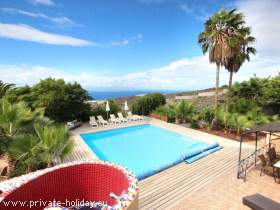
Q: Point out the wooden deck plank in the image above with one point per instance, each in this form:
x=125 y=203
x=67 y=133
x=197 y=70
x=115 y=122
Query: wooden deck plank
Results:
x=183 y=184
x=179 y=177
x=187 y=175
x=168 y=187
x=202 y=162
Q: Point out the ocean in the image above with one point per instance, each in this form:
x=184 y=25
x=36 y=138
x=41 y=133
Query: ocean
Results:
x=102 y=95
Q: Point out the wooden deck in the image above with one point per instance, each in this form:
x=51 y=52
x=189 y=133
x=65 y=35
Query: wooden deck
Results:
x=165 y=189
x=81 y=152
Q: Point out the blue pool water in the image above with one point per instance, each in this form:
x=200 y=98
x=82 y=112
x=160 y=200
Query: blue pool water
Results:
x=145 y=149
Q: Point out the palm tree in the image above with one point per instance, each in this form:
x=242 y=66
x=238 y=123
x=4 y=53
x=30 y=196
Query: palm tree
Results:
x=54 y=141
x=4 y=87
x=26 y=154
x=16 y=118
x=185 y=111
x=241 y=40
x=221 y=38
x=207 y=115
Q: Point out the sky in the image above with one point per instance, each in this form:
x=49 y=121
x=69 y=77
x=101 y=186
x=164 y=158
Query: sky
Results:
x=126 y=44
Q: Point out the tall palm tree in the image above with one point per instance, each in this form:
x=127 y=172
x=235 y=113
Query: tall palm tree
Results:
x=241 y=55
x=220 y=39
x=4 y=87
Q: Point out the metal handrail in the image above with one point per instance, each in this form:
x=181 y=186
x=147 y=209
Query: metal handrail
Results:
x=247 y=162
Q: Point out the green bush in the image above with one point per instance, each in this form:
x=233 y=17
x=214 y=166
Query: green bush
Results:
x=29 y=139
x=166 y=111
x=223 y=117
x=148 y=103
x=114 y=107
x=185 y=111
x=101 y=110
x=272 y=90
x=61 y=101
x=240 y=121
x=253 y=89
x=207 y=115
x=242 y=105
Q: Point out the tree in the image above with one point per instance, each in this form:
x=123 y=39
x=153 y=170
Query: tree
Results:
x=146 y=104
x=29 y=139
x=223 y=117
x=17 y=118
x=215 y=40
x=54 y=141
x=61 y=101
x=185 y=111
x=272 y=90
x=207 y=115
x=26 y=154
x=4 y=87
x=114 y=107
x=241 y=46
x=239 y=122
x=253 y=90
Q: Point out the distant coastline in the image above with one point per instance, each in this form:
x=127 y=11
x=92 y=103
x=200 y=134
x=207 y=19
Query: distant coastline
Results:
x=103 y=95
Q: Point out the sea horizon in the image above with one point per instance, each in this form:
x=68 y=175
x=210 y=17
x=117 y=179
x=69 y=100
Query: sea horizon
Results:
x=103 y=95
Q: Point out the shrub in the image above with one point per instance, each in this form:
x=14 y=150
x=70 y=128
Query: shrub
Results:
x=166 y=111
x=185 y=111
x=101 y=110
x=272 y=90
x=251 y=90
x=207 y=115
x=239 y=122
x=114 y=106
x=242 y=105
x=148 y=103
x=29 y=139
x=223 y=117
x=61 y=101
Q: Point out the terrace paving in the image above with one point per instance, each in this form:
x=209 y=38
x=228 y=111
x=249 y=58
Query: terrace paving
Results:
x=226 y=192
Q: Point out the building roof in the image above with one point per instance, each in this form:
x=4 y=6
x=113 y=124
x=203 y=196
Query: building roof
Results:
x=269 y=127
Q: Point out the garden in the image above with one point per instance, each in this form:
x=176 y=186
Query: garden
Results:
x=251 y=103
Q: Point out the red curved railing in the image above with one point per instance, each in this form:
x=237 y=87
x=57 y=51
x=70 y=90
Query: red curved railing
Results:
x=74 y=183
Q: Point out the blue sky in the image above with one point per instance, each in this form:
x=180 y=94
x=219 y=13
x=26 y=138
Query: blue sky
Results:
x=125 y=44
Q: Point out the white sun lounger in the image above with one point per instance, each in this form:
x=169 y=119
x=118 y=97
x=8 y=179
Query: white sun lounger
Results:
x=113 y=119
x=101 y=121
x=121 y=118
x=92 y=121
x=134 y=116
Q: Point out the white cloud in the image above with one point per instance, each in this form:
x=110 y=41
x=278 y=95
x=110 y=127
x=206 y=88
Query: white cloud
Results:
x=63 y=21
x=42 y=2
x=186 y=8
x=197 y=12
x=119 y=42
x=184 y=74
x=28 y=33
x=263 y=17
x=126 y=41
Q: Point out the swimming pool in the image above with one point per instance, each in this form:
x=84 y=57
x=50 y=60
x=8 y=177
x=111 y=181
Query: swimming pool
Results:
x=146 y=149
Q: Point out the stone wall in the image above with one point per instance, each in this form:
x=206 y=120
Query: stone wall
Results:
x=201 y=98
